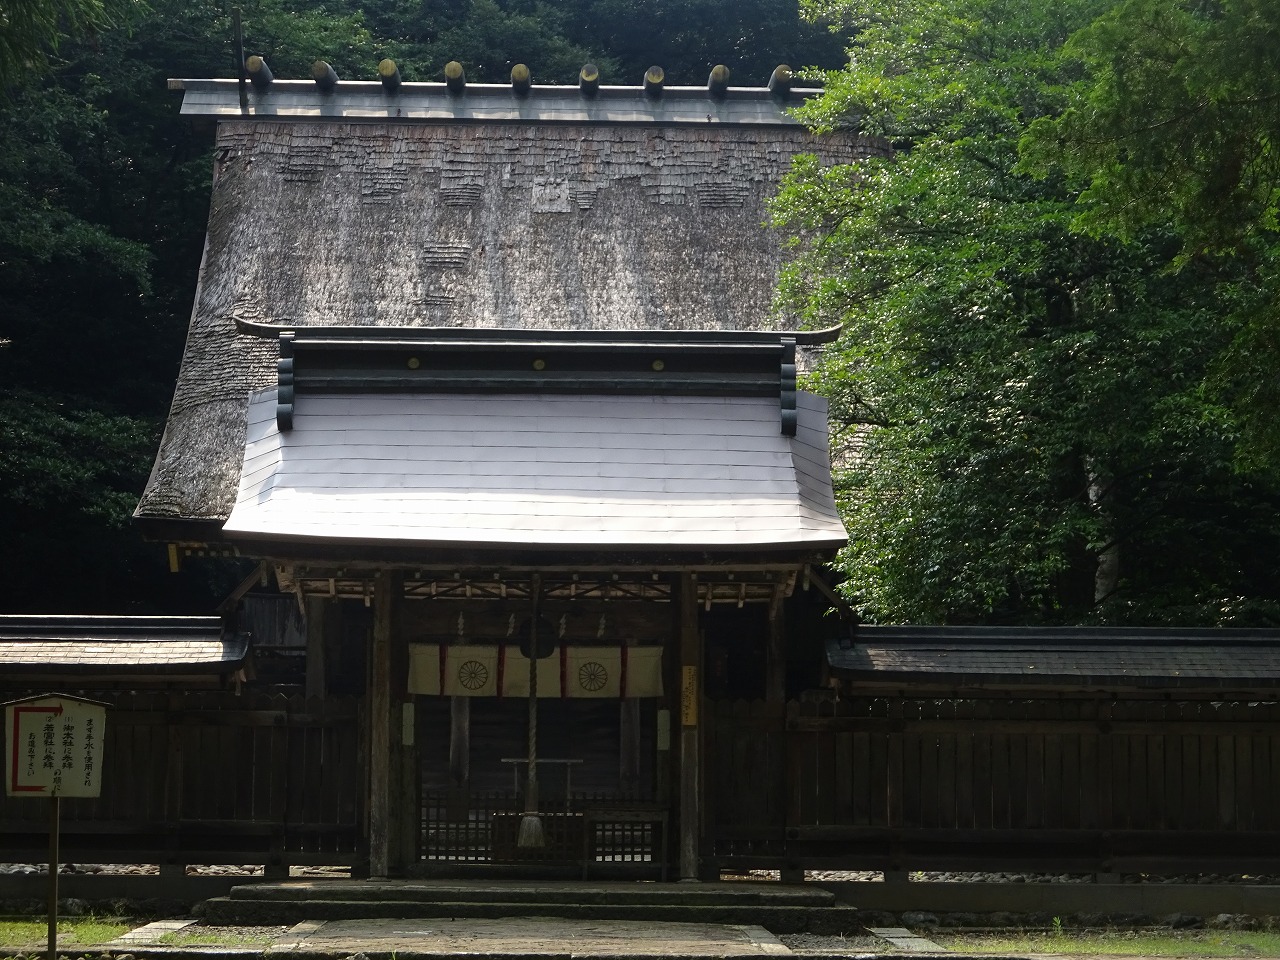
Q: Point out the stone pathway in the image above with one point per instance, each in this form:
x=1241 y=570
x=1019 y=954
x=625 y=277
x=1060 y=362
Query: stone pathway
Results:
x=527 y=936
x=150 y=933
x=905 y=940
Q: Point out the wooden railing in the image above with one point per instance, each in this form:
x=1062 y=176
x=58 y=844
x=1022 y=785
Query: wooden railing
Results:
x=1066 y=784
x=211 y=778
x=594 y=832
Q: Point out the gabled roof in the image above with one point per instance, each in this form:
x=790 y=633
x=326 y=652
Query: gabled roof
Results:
x=454 y=221
x=650 y=442
x=527 y=471
x=1131 y=658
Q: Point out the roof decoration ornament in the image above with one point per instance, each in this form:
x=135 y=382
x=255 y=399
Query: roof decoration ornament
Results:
x=390 y=97
x=718 y=81
x=780 y=81
x=389 y=73
x=653 y=79
x=260 y=74
x=455 y=78
x=324 y=75
x=521 y=81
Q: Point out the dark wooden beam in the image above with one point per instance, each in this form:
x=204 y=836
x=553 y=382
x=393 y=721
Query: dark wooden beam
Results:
x=318 y=616
x=459 y=756
x=690 y=704
x=386 y=597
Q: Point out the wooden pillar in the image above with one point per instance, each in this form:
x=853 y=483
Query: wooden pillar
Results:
x=406 y=777
x=459 y=757
x=775 y=692
x=690 y=697
x=775 y=683
x=319 y=617
x=629 y=746
x=382 y=723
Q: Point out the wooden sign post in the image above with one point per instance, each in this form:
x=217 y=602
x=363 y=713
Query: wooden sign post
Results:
x=54 y=750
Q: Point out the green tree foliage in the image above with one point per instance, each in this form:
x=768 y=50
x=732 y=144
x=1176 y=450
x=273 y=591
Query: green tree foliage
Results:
x=32 y=29
x=1026 y=432
x=1175 y=125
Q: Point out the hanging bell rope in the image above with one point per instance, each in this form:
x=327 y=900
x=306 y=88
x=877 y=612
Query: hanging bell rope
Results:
x=531 y=833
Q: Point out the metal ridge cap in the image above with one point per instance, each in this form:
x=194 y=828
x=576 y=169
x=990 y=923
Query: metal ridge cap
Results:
x=528 y=336
x=422 y=88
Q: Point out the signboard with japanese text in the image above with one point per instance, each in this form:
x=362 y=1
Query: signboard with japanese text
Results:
x=54 y=747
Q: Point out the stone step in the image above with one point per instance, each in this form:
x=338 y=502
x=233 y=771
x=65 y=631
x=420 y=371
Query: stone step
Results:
x=228 y=911
x=549 y=892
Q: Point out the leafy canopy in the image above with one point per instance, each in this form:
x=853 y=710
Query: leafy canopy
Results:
x=1175 y=125
x=1025 y=428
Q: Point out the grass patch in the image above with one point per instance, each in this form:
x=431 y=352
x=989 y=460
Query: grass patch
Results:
x=1121 y=943
x=73 y=931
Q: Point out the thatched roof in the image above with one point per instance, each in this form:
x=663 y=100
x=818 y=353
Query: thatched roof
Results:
x=634 y=225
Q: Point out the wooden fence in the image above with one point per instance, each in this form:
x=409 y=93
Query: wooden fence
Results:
x=1087 y=785
x=211 y=778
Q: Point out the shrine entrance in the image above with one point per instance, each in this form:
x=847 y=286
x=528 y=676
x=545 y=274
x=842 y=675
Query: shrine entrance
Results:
x=601 y=725
x=600 y=799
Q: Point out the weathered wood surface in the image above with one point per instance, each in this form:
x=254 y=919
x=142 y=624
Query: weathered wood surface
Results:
x=894 y=783
x=211 y=775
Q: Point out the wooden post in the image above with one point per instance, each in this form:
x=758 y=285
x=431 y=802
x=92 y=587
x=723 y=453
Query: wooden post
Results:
x=406 y=785
x=775 y=692
x=775 y=683
x=690 y=695
x=318 y=617
x=629 y=747
x=54 y=825
x=459 y=757
x=381 y=820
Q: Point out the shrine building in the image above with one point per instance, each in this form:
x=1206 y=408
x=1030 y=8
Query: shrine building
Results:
x=489 y=379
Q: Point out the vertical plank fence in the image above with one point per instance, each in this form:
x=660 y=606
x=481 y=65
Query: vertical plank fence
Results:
x=209 y=777
x=1089 y=785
